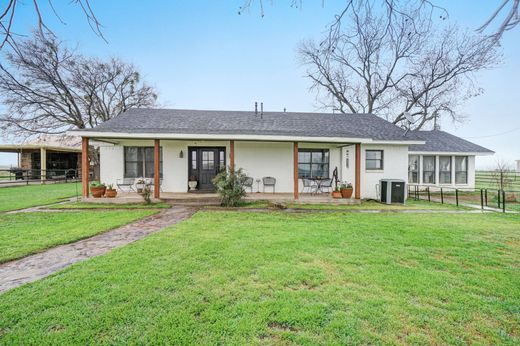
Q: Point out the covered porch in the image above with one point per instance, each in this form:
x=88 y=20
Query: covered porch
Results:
x=177 y=161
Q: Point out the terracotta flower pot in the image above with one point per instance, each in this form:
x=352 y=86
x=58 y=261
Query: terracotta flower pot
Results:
x=346 y=193
x=111 y=193
x=336 y=194
x=97 y=192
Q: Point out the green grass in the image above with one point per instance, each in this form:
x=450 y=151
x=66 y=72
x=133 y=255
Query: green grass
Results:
x=278 y=278
x=23 y=234
x=86 y=205
x=365 y=205
x=20 y=197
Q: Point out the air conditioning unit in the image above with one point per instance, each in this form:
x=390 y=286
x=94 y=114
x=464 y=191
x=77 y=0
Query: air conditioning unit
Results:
x=392 y=190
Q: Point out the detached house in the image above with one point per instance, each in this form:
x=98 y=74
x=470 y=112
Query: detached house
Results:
x=361 y=148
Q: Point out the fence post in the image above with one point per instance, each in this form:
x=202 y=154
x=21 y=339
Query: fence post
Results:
x=429 y=197
x=503 y=201
x=486 y=198
x=498 y=199
x=457 y=197
x=482 y=199
x=442 y=197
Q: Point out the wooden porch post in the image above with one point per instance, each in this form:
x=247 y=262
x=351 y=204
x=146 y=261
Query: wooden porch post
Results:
x=295 y=170
x=84 y=166
x=358 y=172
x=43 y=164
x=157 y=169
x=232 y=155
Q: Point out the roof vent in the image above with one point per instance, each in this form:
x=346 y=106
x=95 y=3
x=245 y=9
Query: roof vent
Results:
x=256 y=108
x=261 y=110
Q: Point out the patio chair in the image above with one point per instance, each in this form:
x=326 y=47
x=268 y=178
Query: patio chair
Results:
x=127 y=183
x=152 y=184
x=248 y=183
x=269 y=182
x=309 y=184
x=326 y=185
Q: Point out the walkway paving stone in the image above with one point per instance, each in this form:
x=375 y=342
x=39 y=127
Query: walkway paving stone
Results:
x=38 y=266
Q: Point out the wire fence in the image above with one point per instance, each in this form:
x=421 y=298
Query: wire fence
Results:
x=18 y=176
x=486 y=199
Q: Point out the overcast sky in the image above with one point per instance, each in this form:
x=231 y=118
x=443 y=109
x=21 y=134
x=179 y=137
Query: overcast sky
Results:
x=203 y=55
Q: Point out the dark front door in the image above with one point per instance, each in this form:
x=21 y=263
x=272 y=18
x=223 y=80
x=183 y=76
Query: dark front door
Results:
x=205 y=163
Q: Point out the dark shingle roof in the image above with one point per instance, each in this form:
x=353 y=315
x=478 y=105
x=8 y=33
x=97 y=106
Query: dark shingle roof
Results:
x=440 y=141
x=180 y=121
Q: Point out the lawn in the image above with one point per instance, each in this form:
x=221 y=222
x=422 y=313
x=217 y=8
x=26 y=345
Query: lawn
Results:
x=89 y=205
x=365 y=205
x=23 y=234
x=20 y=197
x=282 y=278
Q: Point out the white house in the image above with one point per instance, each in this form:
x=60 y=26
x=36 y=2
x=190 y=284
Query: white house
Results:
x=196 y=144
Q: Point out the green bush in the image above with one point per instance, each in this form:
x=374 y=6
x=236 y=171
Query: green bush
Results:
x=230 y=187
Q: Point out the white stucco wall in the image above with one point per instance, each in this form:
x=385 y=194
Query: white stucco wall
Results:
x=395 y=166
x=260 y=159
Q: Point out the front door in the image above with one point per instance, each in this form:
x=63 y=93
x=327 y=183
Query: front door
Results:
x=205 y=164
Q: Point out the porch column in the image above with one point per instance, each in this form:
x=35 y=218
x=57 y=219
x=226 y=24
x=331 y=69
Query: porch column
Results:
x=357 y=187
x=232 y=155
x=84 y=166
x=295 y=170
x=43 y=164
x=157 y=170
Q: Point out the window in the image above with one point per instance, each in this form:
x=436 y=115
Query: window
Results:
x=429 y=169
x=374 y=159
x=413 y=169
x=461 y=170
x=139 y=162
x=208 y=160
x=445 y=169
x=313 y=163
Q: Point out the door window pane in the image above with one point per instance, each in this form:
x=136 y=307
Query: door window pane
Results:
x=208 y=160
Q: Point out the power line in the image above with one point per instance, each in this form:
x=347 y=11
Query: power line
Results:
x=497 y=134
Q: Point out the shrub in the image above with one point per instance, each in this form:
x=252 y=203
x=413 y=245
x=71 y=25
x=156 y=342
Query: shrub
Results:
x=230 y=187
x=147 y=193
x=96 y=184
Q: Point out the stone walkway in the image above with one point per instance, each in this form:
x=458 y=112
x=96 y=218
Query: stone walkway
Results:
x=38 y=266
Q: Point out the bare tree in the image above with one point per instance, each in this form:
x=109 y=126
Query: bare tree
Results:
x=392 y=64
x=8 y=9
x=508 y=7
x=49 y=88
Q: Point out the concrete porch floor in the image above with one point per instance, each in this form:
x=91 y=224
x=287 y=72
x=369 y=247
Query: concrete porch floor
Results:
x=212 y=198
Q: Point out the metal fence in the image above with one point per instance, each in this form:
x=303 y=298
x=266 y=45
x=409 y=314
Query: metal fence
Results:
x=486 y=199
x=18 y=176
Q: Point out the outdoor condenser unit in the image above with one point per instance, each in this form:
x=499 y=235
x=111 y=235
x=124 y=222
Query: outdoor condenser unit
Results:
x=392 y=190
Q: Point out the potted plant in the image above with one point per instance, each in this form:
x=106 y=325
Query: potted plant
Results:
x=336 y=193
x=346 y=190
x=140 y=184
x=111 y=192
x=97 y=189
x=192 y=183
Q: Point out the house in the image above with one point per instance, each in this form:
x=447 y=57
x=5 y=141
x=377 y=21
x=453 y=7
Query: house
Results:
x=46 y=157
x=288 y=146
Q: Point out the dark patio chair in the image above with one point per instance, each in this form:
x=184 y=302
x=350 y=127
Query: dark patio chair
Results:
x=248 y=183
x=326 y=185
x=309 y=184
x=127 y=183
x=269 y=182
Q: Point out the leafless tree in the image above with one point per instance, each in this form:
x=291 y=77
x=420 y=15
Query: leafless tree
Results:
x=392 y=64
x=49 y=88
x=8 y=9
x=503 y=175
x=510 y=9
